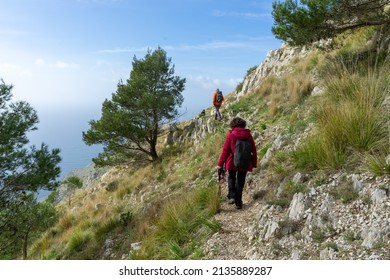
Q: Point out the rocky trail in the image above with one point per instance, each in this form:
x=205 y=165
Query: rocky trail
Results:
x=231 y=242
x=314 y=226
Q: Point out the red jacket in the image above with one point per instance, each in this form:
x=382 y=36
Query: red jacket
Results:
x=230 y=146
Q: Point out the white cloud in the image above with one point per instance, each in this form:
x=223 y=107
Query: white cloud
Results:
x=215 y=45
x=248 y=15
x=233 y=82
x=124 y=50
x=204 y=82
x=40 y=62
x=102 y=63
x=209 y=83
x=63 y=65
x=8 y=68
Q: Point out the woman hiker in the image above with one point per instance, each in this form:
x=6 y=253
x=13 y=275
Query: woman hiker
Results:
x=237 y=175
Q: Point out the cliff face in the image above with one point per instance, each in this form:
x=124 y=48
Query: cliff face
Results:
x=276 y=63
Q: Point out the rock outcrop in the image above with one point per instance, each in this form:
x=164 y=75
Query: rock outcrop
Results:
x=276 y=63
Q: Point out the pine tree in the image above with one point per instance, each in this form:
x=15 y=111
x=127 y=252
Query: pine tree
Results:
x=23 y=170
x=28 y=219
x=132 y=120
x=307 y=21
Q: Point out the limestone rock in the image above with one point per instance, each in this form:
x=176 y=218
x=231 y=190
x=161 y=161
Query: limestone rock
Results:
x=297 y=207
x=328 y=254
x=379 y=196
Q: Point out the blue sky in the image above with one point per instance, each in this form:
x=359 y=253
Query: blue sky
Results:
x=65 y=57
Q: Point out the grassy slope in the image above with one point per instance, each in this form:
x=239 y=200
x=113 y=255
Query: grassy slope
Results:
x=169 y=206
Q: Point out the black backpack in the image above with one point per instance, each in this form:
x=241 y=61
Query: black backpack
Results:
x=243 y=154
x=219 y=96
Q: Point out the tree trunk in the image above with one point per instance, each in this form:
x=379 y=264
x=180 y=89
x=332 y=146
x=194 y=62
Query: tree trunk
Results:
x=154 y=136
x=25 y=242
x=153 y=153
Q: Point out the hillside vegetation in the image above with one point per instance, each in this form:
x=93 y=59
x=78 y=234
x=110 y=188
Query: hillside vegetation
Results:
x=320 y=119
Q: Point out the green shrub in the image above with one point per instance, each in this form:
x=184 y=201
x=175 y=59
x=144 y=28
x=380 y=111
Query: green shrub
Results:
x=260 y=194
x=287 y=227
x=345 y=192
x=183 y=223
x=320 y=181
x=351 y=236
x=315 y=154
x=65 y=222
x=107 y=226
x=112 y=186
x=379 y=245
x=279 y=163
x=242 y=106
x=162 y=175
x=78 y=241
x=353 y=41
x=350 y=118
x=332 y=245
x=317 y=234
x=126 y=217
x=377 y=164
x=264 y=150
x=288 y=190
x=123 y=191
x=239 y=87
x=176 y=185
x=291 y=188
x=174 y=150
x=283 y=202
x=250 y=71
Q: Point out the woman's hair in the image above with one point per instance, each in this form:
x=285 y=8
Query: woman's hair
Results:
x=237 y=122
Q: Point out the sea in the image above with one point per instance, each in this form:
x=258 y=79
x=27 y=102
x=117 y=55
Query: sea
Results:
x=63 y=130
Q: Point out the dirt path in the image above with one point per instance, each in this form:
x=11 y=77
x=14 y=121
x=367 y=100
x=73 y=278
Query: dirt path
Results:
x=232 y=241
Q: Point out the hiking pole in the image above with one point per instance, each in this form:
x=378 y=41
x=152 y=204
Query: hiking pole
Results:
x=221 y=178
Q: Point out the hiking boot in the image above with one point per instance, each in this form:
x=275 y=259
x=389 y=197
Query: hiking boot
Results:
x=231 y=201
x=238 y=206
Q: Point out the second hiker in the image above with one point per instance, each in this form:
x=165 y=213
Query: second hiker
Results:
x=217 y=102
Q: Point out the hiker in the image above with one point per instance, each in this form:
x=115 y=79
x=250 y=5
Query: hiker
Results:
x=232 y=158
x=217 y=102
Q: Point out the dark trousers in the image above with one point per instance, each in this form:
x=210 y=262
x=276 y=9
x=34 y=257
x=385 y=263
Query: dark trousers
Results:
x=217 y=113
x=236 y=182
